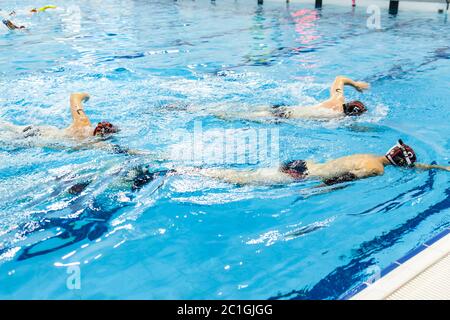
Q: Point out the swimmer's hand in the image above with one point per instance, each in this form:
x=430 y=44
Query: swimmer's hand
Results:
x=361 y=86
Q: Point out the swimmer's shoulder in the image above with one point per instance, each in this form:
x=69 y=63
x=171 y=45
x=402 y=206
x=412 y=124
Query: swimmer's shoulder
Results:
x=76 y=131
x=362 y=159
x=318 y=111
x=336 y=105
x=369 y=165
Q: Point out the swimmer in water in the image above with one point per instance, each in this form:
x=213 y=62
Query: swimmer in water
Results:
x=12 y=26
x=80 y=130
x=42 y=9
x=334 y=107
x=345 y=169
x=349 y=168
x=32 y=10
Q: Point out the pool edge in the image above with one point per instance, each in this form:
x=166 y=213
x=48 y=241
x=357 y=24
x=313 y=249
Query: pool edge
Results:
x=414 y=263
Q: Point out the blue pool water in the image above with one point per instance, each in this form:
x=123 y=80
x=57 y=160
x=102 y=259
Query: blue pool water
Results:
x=196 y=238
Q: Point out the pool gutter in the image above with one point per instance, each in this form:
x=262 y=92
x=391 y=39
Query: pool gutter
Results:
x=422 y=274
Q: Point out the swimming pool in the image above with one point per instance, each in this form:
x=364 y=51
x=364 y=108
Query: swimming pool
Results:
x=195 y=238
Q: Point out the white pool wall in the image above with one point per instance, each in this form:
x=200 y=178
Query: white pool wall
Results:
x=423 y=277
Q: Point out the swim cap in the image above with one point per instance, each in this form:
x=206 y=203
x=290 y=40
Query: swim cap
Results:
x=401 y=155
x=104 y=128
x=354 y=108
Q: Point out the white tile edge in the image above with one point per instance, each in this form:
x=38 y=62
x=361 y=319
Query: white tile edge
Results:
x=404 y=273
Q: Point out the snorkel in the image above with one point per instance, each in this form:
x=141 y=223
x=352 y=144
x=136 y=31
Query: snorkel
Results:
x=401 y=155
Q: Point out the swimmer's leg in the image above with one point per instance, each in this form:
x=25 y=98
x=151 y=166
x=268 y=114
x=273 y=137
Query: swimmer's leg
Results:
x=12 y=127
x=258 y=113
x=135 y=179
x=265 y=176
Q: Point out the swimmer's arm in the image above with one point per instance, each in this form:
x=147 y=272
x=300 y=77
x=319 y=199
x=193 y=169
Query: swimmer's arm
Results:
x=424 y=166
x=155 y=156
x=346 y=177
x=337 y=88
x=79 y=117
x=355 y=175
x=258 y=113
x=227 y=175
x=264 y=176
x=114 y=148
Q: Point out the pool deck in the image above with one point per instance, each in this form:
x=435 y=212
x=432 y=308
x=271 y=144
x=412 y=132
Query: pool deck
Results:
x=405 y=5
x=423 y=274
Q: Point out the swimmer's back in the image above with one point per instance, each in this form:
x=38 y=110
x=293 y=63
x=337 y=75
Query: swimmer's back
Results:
x=361 y=165
x=313 y=112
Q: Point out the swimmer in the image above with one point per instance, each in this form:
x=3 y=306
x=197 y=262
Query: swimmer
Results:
x=11 y=26
x=7 y=21
x=334 y=107
x=80 y=130
x=31 y=11
x=349 y=168
x=42 y=9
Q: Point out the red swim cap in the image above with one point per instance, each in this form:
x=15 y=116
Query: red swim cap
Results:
x=354 y=108
x=104 y=128
x=401 y=155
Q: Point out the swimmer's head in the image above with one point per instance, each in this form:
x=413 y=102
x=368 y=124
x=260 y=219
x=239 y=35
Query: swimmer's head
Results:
x=401 y=155
x=354 y=108
x=105 y=128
